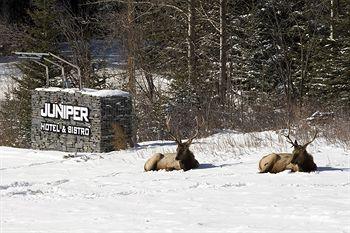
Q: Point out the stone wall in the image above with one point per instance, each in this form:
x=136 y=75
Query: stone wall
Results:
x=78 y=121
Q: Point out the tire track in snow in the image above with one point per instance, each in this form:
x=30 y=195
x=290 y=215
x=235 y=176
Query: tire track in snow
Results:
x=23 y=188
x=15 y=184
x=32 y=165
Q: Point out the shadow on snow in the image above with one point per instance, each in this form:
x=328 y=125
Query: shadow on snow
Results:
x=325 y=169
x=209 y=165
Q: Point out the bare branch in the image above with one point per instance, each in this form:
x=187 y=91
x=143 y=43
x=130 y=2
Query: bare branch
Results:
x=137 y=2
x=314 y=137
x=198 y=126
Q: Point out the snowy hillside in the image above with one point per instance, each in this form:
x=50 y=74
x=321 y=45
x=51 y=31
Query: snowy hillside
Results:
x=43 y=192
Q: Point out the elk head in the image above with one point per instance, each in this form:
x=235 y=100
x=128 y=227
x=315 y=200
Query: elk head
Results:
x=182 y=150
x=300 y=156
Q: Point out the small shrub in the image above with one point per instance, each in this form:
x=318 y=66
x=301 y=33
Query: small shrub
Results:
x=120 y=139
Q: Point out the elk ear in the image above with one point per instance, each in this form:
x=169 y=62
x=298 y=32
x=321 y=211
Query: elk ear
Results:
x=295 y=143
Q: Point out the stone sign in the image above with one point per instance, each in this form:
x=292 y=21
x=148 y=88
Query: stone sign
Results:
x=79 y=120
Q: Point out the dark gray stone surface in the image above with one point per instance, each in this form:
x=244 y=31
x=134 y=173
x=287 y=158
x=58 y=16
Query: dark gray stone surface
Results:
x=104 y=110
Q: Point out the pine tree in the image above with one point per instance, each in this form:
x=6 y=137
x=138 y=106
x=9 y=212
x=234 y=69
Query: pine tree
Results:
x=42 y=37
x=330 y=86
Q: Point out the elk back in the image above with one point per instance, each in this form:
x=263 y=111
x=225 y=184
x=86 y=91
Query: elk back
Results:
x=275 y=163
x=163 y=161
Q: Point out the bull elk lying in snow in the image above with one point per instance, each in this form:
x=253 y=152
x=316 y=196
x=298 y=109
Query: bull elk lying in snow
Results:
x=299 y=160
x=182 y=159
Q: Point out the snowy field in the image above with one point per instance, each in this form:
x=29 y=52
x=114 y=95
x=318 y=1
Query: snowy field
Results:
x=43 y=192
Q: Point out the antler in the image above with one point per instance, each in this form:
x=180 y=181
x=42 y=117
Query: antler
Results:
x=189 y=141
x=312 y=138
x=295 y=143
x=174 y=137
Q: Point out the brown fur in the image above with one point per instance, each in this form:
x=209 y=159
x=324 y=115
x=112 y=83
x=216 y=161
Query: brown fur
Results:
x=183 y=159
x=275 y=163
x=299 y=160
x=303 y=159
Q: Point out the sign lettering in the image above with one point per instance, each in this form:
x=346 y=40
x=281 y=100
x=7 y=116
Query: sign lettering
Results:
x=55 y=128
x=66 y=112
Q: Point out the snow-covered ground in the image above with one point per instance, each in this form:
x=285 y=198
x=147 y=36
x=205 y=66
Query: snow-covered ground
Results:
x=43 y=192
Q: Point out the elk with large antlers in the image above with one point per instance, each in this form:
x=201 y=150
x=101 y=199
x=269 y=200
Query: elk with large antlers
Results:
x=183 y=158
x=299 y=160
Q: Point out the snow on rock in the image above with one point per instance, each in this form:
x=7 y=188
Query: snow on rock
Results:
x=86 y=91
x=109 y=192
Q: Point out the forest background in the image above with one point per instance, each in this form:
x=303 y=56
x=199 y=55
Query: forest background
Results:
x=242 y=65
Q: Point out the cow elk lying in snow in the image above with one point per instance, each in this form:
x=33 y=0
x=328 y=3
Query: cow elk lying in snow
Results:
x=299 y=160
x=182 y=159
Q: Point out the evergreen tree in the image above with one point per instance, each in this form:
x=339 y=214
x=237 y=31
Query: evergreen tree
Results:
x=14 y=11
x=42 y=38
x=330 y=86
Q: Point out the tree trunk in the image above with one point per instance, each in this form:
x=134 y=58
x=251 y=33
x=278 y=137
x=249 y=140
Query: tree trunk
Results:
x=223 y=51
x=191 y=40
x=131 y=60
x=331 y=36
x=151 y=86
x=131 y=49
